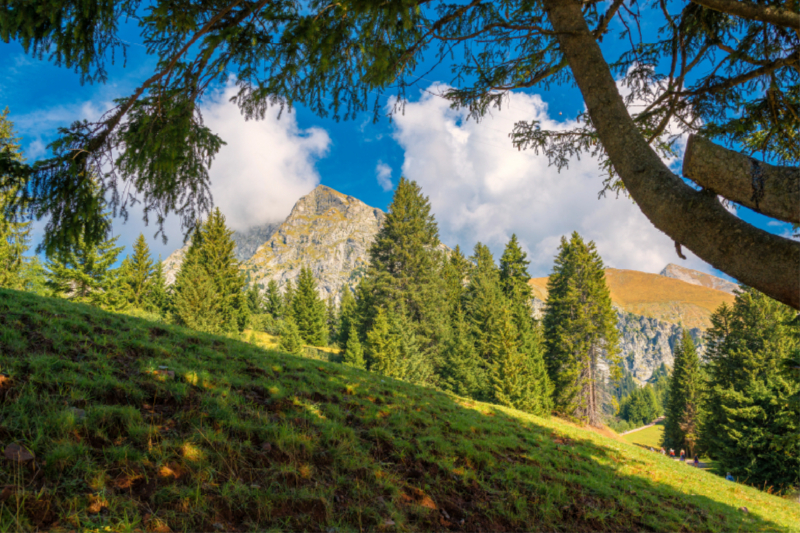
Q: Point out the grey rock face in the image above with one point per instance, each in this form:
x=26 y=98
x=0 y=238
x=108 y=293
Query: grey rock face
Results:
x=248 y=241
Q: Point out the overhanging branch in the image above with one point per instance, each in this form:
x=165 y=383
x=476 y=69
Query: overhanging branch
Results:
x=752 y=11
x=768 y=189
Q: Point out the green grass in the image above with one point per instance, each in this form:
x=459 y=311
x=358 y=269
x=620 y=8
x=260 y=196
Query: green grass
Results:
x=232 y=436
x=649 y=437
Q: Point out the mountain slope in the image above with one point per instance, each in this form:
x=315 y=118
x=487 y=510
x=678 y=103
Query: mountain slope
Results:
x=654 y=296
x=140 y=426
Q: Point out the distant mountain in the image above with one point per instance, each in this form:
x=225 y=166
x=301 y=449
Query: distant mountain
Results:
x=651 y=312
x=328 y=232
x=698 y=278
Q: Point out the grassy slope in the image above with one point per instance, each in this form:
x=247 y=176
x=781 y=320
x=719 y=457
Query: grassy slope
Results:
x=240 y=437
x=647 y=437
x=656 y=296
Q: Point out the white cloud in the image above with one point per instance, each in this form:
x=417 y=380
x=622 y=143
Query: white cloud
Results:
x=483 y=189
x=383 y=173
x=265 y=166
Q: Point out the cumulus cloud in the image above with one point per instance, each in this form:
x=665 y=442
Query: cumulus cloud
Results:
x=265 y=166
x=483 y=189
x=383 y=173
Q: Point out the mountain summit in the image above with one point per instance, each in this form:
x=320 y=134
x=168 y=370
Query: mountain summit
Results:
x=698 y=278
x=328 y=232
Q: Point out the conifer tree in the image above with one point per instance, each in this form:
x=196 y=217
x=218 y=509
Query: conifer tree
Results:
x=348 y=317
x=290 y=341
x=14 y=234
x=514 y=274
x=255 y=302
x=511 y=379
x=750 y=424
x=158 y=296
x=404 y=275
x=136 y=274
x=353 y=352
x=383 y=347
x=308 y=310
x=455 y=273
x=84 y=274
x=685 y=389
x=463 y=373
x=331 y=320
x=197 y=301
x=212 y=250
x=273 y=301
x=288 y=297
x=579 y=329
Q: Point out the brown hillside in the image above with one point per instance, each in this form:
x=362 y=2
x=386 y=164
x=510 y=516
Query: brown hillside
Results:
x=656 y=296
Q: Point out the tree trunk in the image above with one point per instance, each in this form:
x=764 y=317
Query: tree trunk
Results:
x=694 y=219
x=771 y=190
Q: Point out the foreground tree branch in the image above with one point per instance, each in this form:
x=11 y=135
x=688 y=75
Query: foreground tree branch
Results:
x=692 y=218
x=768 y=189
x=752 y=11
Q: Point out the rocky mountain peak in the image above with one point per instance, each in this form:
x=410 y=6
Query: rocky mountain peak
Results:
x=696 y=277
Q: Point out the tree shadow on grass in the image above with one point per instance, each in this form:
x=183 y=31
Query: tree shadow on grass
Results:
x=232 y=437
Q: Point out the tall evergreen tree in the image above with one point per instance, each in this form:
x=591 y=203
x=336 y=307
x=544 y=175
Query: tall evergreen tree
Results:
x=14 y=234
x=383 y=347
x=463 y=373
x=288 y=297
x=273 y=301
x=84 y=274
x=348 y=317
x=455 y=273
x=354 y=352
x=750 y=424
x=136 y=274
x=308 y=310
x=331 y=320
x=255 y=303
x=514 y=274
x=405 y=271
x=579 y=329
x=510 y=371
x=197 y=301
x=685 y=389
x=290 y=340
x=158 y=296
x=212 y=250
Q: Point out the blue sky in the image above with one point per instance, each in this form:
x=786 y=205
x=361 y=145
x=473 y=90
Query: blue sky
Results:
x=481 y=188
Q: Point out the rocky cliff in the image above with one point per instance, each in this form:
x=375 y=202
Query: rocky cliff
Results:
x=327 y=231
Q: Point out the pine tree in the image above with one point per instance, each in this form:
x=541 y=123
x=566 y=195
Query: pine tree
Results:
x=273 y=300
x=291 y=342
x=405 y=275
x=750 y=424
x=84 y=274
x=514 y=274
x=14 y=235
x=579 y=329
x=685 y=389
x=332 y=320
x=288 y=297
x=353 y=352
x=308 y=310
x=255 y=302
x=456 y=272
x=509 y=371
x=197 y=301
x=348 y=317
x=212 y=250
x=136 y=275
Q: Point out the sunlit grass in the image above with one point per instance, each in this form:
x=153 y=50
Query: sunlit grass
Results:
x=648 y=437
x=141 y=426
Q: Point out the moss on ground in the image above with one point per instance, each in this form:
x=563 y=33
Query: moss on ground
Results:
x=140 y=426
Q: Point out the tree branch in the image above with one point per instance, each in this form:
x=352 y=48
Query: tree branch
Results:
x=752 y=11
x=695 y=219
x=768 y=189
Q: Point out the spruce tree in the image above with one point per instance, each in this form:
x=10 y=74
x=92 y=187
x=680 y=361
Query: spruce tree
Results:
x=288 y=297
x=383 y=346
x=158 y=296
x=273 y=301
x=212 y=250
x=353 y=352
x=463 y=373
x=197 y=301
x=308 y=310
x=331 y=320
x=514 y=274
x=136 y=275
x=510 y=373
x=685 y=389
x=405 y=275
x=83 y=274
x=455 y=273
x=255 y=302
x=750 y=423
x=14 y=234
x=579 y=329
x=348 y=317
x=291 y=341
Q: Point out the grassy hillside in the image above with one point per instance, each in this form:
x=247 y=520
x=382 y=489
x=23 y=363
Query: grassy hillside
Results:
x=655 y=296
x=137 y=426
